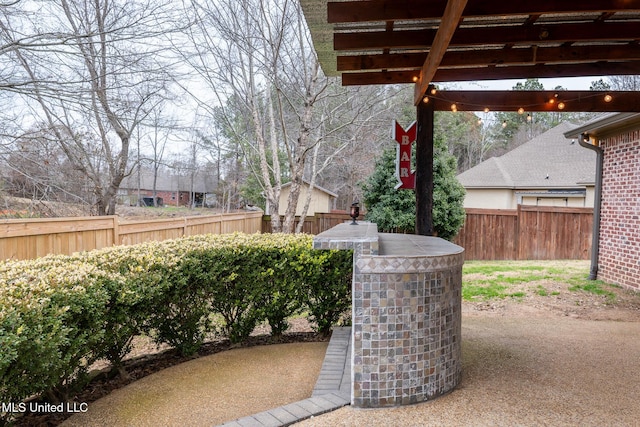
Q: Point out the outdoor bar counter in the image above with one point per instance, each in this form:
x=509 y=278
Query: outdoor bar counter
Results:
x=406 y=314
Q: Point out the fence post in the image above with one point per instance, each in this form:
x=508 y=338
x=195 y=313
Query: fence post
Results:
x=518 y=231
x=116 y=230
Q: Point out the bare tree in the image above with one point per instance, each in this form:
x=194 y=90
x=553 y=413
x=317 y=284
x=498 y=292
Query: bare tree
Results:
x=257 y=59
x=624 y=82
x=94 y=75
x=229 y=58
x=36 y=168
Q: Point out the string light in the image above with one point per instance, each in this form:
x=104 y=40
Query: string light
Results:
x=554 y=100
x=415 y=79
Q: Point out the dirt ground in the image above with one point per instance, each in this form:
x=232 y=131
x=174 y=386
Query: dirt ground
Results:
x=16 y=207
x=562 y=302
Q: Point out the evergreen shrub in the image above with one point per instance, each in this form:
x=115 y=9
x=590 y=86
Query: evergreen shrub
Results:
x=60 y=314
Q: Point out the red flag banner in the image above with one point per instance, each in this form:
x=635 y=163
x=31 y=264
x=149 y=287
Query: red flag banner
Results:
x=405 y=138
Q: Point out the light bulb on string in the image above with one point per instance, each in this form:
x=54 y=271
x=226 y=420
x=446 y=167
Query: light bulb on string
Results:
x=425 y=99
x=415 y=79
x=528 y=117
x=486 y=109
x=520 y=110
x=608 y=98
x=561 y=105
x=504 y=124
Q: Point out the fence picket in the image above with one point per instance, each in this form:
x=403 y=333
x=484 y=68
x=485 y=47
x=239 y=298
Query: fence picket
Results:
x=32 y=238
x=529 y=232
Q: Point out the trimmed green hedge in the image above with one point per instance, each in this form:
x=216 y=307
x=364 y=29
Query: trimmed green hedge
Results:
x=60 y=314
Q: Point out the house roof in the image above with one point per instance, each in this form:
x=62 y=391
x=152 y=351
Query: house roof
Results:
x=315 y=187
x=168 y=181
x=547 y=161
x=606 y=125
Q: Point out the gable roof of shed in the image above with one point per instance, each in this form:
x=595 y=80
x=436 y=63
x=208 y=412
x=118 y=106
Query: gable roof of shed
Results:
x=565 y=162
x=168 y=181
x=315 y=187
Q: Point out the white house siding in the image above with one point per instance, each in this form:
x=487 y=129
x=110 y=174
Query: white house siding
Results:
x=484 y=198
x=320 y=201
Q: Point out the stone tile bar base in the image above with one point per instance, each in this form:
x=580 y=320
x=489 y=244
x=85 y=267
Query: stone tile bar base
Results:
x=406 y=320
x=361 y=238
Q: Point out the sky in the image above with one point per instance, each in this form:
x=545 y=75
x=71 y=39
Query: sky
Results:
x=569 y=83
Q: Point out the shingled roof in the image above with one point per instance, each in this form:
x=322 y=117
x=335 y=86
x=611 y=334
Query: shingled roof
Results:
x=547 y=161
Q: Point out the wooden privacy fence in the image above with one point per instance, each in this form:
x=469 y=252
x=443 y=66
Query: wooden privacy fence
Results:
x=530 y=232
x=32 y=238
x=312 y=224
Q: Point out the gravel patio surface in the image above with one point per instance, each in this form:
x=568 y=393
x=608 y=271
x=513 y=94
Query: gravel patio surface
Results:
x=520 y=368
x=528 y=371
x=213 y=389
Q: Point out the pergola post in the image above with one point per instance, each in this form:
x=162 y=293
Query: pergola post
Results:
x=424 y=169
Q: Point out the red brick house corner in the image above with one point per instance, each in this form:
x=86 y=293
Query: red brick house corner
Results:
x=617 y=137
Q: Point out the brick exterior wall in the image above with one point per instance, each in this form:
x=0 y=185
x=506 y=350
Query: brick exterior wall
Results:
x=619 y=259
x=172 y=198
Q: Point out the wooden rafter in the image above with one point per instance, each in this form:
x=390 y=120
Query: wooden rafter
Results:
x=353 y=11
x=532 y=101
x=450 y=20
x=484 y=57
x=538 y=71
x=496 y=73
x=512 y=34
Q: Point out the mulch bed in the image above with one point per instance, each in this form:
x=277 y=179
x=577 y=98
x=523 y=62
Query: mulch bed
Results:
x=107 y=380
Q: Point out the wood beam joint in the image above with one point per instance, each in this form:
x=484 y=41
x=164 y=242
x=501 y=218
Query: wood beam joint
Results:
x=450 y=20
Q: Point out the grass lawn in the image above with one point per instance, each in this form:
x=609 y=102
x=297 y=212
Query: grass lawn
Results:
x=485 y=280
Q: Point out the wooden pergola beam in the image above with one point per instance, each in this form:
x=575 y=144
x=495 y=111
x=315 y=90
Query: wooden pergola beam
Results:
x=513 y=34
x=537 y=101
x=538 y=71
x=482 y=57
x=450 y=21
x=352 y=11
x=496 y=73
